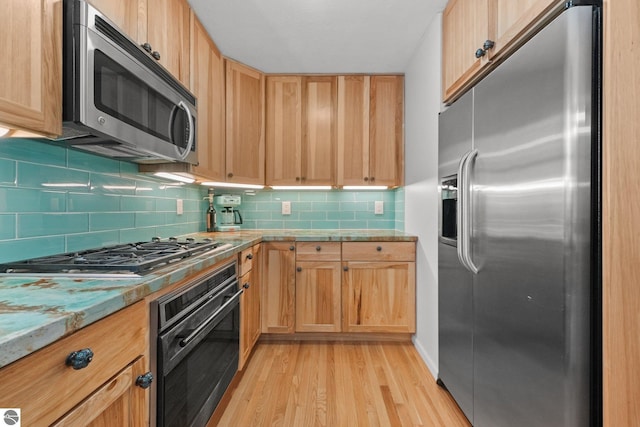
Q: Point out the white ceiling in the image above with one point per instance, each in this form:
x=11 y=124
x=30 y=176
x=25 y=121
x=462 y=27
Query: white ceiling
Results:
x=318 y=36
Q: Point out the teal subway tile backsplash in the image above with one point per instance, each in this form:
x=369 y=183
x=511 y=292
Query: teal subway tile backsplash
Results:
x=54 y=199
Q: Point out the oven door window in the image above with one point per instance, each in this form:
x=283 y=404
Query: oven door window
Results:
x=124 y=96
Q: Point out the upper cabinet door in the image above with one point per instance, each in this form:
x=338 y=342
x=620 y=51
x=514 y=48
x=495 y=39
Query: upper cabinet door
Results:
x=465 y=27
x=31 y=64
x=319 y=107
x=353 y=130
x=245 y=124
x=123 y=13
x=513 y=19
x=284 y=130
x=386 y=136
x=207 y=84
x=168 y=34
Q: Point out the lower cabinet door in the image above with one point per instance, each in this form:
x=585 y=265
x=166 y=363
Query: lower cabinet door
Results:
x=278 y=287
x=119 y=402
x=378 y=296
x=318 y=307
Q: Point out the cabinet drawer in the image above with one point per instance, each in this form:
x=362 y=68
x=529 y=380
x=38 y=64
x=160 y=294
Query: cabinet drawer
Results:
x=245 y=261
x=318 y=251
x=45 y=388
x=379 y=251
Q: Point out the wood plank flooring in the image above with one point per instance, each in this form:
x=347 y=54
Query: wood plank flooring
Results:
x=304 y=384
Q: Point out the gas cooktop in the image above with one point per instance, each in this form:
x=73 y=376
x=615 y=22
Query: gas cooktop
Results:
x=127 y=258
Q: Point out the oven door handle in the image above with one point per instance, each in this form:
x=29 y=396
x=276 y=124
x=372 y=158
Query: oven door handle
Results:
x=186 y=340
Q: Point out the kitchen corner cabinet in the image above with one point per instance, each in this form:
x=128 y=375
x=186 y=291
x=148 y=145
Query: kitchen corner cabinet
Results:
x=105 y=392
x=278 y=287
x=378 y=285
x=31 y=63
x=207 y=84
x=245 y=147
x=318 y=292
x=370 y=130
x=476 y=33
x=249 y=302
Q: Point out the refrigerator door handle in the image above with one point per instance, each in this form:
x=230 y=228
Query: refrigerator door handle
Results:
x=464 y=211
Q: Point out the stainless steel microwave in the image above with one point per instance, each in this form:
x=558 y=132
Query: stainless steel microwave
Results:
x=118 y=101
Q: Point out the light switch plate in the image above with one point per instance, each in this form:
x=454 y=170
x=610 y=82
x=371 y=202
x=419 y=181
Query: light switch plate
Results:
x=286 y=208
x=379 y=207
x=179 y=207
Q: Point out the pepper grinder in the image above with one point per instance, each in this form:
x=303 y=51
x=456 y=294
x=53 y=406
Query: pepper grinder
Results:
x=211 y=213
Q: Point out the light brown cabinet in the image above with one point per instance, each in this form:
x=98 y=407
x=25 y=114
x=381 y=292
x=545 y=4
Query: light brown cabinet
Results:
x=207 y=84
x=102 y=393
x=31 y=64
x=278 y=287
x=244 y=124
x=300 y=128
x=284 y=130
x=370 y=130
x=250 y=327
x=378 y=287
x=476 y=33
x=319 y=94
x=126 y=15
x=318 y=292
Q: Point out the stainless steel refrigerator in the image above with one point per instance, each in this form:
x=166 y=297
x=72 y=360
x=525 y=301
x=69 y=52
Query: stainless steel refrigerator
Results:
x=518 y=244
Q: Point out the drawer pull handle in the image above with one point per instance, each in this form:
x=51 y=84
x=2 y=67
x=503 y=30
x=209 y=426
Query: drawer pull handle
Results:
x=250 y=256
x=379 y=248
x=298 y=269
x=246 y=285
x=318 y=248
x=292 y=248
x=144 y=380
x=79 y=359
x=345 y=268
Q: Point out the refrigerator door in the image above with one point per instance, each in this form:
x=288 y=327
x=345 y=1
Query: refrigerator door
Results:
x=455 y=315
x=531 y=231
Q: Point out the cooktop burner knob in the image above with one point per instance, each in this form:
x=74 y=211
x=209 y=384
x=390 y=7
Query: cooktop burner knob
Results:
x=173 y=239
x=190 y=239
x=155 y=239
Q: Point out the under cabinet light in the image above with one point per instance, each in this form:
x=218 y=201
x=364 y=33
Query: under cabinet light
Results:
x=232 y=185
x=301 y=187
x=365 y=187
x=175 y=177
x=4 y=131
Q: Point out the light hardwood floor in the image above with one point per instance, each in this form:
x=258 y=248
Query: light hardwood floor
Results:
x=306 y=384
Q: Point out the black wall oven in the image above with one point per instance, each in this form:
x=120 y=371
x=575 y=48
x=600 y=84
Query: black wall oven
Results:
x=197 y=347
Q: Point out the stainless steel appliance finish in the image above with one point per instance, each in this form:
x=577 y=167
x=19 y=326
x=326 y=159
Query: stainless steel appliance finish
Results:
x=117 y=100
x=195 y=337
x=515 y=280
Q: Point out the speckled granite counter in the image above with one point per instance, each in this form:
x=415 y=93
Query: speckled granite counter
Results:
x=36 y=311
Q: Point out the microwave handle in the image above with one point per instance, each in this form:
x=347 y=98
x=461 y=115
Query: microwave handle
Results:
x=183 y=155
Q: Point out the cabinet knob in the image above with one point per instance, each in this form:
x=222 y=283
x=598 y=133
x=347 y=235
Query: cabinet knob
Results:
x=379 y=248
x=298 y=269
x=249 y=256
x=144 y=380
x=373 y=178
x=318 y=248
x=156 y=55
x=292 y=248
x=246 y=285
x=366 y=178
x=488 y=44
x=345 y=268
x=147 y=47
x=480 y=53
x=79 y=359
x=297 y=178
x=229 y=175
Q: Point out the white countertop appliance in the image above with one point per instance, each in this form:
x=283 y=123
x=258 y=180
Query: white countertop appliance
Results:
x=230 y=218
